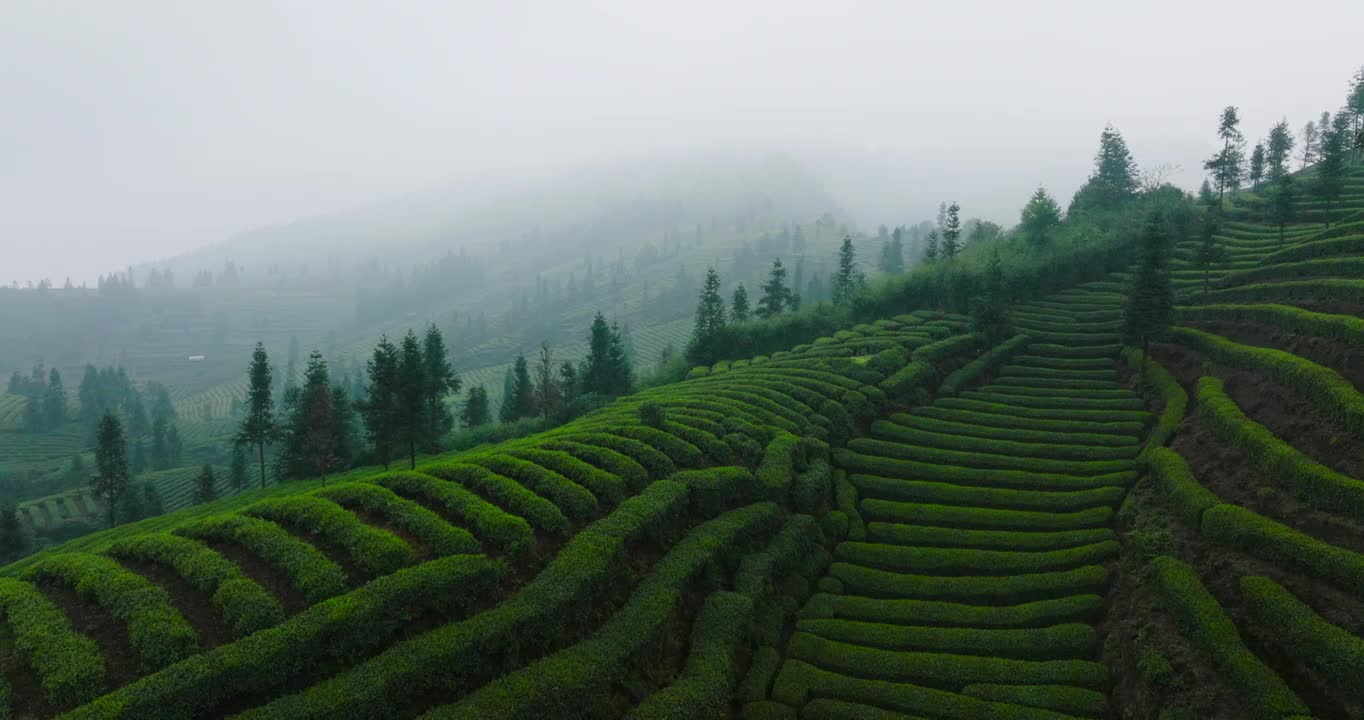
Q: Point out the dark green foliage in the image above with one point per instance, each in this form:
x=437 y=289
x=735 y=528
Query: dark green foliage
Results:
x=705 y=345
x=1228 y=164
x=1237 y=527
x=156 y=630
x=1041 y=643
x=738 y=306
x=1305 y=635
x=1150 y=305
x=1039 y=217
x=427 y=527
x=951 y=231
x=848 y=279
x=504 y=493
x=205 y=485
x=776 y=297
x=306 y=568
x=68 y=664
x=474 y=411
x=1207 y=625
x=245 y=606
x=110 y=484
x=1061 y=698
x=1189 y=498
x=1114 y=180
x=342 y=628
x=703 y=689
x=236 y=474
x=990 y=312
x=498 y=529
x=607 y=371
x=652 y=415
x=988 y=590
x=258 y=425
x=439 y=382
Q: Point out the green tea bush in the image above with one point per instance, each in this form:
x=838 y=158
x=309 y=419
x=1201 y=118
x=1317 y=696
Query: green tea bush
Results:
x=940 y=668
x=1055 y=641
x=1061 y=698
x=777 y=466
x=68 y=664
x=375 y=552
x=607 y=488
x=998 y=427
x=855 y=461
x=1304 y=635
x=504 y=492
x=508 y=533
x=1076 y=416
x=1207 y=625
x=991 y=590
x=811 y=490
x=758 y=679
x=1342 y=245
x=1172 y=394
x=1345 y=328
x=758 y=571
x=1320 y=267
x=987 y=362
x=576 y=502
x=929 y=560
x=1315 y=483
x=341 y=628
x=157 y=631
x=703 y=688
x=716 y=489
x=1189 y=498
x=944 y=440
x=1237 y=527
x=845 y=499
x=912 y=381
x=1350 y=291
x=881 y=488
x=245 y=606
x=928 y=536
x=306 y=567
x=425 y=525
x=985 y=458
x=1034 y=614
x=1068 y=404
x=634 y=475
x=658 y=464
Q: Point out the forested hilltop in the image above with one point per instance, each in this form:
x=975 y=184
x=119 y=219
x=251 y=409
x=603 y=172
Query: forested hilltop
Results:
x=1105 y=463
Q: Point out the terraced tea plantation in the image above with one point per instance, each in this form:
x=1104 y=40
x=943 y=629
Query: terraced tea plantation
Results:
x=895 y=522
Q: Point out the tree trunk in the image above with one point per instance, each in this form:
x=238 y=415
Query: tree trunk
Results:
x=261 y=446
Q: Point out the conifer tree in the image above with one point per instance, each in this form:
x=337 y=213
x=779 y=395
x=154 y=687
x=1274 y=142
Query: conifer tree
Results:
x=507 y=409
x=1278 y=151
x=475 y=410
x=175 y=449
x=54 y=400
x=1205 y=194
x=776 y=296
x=738 y=306
x=319 y=447
x=411 y=396
x=258 y=426
x=1257 y=165
x=110 y=483
x=13 y=541
x=990 y=312
x=892 y=258
x=1283 y=199
x=931 y=247
x=848 y=280
x=1039 y=216
x=1335 y=149
x=1150 y=304
x=236 y=474
x=1114 y=179
x=205 y=486
x=1210 y=250
x=379 y=410
x=606 y=370
x=951 y=231
x=1310 y=138
x=1354 y=103
x=441 y=382
x=1227 y=165
x=548 y=395
x=703 y=347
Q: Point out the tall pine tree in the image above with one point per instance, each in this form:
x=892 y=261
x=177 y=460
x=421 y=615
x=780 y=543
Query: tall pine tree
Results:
x=441 y=382
x=379 y=410
x=738 y=306
x=1150 y=303
x=258 y=426
x=411 y=396
x=776 y=296
x=848 y=279
x=703 y=348
x=110 y=483
x=951 y=231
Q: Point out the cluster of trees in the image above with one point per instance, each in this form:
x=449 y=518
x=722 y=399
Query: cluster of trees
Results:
x=557 y=392
x=707 y=343
x=46 y=403
x=1327 y=143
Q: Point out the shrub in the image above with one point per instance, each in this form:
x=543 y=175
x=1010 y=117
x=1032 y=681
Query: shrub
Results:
x=985 y=497
x=1056 y=641
x=775 y=470
x=889 y=360
x=759 y=571
x=946 y=348
x=1315 y=483
x=940 y=668
x=1071 y=405
x=914 y=432
x=1189 y=498
x=799 y=681
x=927 y=536
x=1199 y=615
x=652 y=415
x=811 y=490
x=428 y=527
x=1256 y=534
x=1345 y=328
x=855 y=461
x=911 y=381
x=532 y=618
x=845 y=497
x=1350 y=291
x=758 y=679
x=307 y=569
x=504 y=492
x=1061 y=698
x=984 y=459
x=716 y=489
x=1012 y=589
x=982 y=365
x=929 y=561
x=156 y=630
x=1102 y=419
x=68 y=664
x=1306 y=636
x=337 y=629
x=572 y=499
x=375 y=552
x=1341 y=245
x=578 y=678
x=1039 y=613
x=607 y=488
x=616 y=463
x=703 y=689
x=964 y=411
x=509 y=533
x=245 y=606
x=953 y=516
x=1320 y=267
x=1171 y=393
x=966 y=425
x=658 y=464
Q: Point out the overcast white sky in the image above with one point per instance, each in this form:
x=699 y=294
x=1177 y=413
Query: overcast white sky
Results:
x=132 y=129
